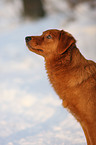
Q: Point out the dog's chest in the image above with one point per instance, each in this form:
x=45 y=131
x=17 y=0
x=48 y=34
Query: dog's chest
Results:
x=58 y=78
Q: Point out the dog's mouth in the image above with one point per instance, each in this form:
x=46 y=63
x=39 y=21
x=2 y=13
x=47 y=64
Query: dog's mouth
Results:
x=33 y=49
x=37 y=49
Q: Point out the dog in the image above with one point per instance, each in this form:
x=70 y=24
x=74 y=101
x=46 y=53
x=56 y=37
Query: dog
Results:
x=72 y=76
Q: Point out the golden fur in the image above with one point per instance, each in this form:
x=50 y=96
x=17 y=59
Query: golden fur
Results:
x=71 y=75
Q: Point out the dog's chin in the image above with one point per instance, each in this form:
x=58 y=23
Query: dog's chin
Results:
x=36 y=50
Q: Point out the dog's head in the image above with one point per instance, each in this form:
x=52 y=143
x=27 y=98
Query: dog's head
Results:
x=51 y=42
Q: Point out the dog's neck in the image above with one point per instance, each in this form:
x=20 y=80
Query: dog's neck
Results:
x=65 y=60
x=60 y=66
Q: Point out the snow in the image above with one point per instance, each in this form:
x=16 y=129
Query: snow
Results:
x=85 y=30
x=30 y=111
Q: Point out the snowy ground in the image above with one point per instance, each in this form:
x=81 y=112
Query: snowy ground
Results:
x=30 y=111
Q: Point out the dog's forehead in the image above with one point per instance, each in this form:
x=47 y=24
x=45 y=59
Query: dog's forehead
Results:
x=51 y=31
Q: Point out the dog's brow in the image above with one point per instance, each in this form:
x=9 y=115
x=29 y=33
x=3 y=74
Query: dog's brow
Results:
x=44 y=33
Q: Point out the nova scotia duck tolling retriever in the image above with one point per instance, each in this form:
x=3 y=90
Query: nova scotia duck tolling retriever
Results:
x=72 y=76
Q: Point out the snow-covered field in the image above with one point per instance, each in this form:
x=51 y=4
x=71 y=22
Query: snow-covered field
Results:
x=30 y=111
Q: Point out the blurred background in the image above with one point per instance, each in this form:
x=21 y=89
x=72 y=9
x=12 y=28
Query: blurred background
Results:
x=30 y=111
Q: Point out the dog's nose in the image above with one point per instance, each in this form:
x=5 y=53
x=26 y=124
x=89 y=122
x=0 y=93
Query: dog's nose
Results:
x=28 y=39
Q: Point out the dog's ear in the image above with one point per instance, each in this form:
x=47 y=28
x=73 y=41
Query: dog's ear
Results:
x=65 y=41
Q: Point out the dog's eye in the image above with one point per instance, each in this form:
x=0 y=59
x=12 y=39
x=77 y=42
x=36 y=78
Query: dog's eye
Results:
x=49 y=37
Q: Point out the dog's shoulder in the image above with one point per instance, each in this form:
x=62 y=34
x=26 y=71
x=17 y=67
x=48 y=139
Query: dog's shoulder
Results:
x=91 y=68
